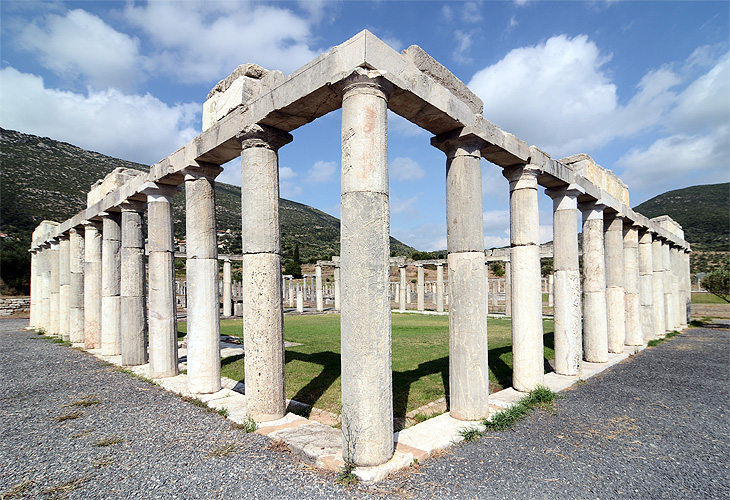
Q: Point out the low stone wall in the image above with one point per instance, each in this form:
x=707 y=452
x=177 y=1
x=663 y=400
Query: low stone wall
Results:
x=10 y=305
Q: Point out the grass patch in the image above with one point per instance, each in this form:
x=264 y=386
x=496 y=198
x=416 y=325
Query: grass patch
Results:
x=16 y=491
x=60 y=341
x=108 y=442
x=541 y=397
x=248 y=425
x=223 y=412
x=84 y=402
x=470 y=434
x=346 y=476
x=224 y=450
x=135 y=375
x=69 y=416
x=656 y=342
x=706 y=298
x=64 y=489
x=420 y=358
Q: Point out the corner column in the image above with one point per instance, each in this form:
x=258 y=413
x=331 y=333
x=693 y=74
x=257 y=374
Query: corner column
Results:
x=468 y=350
x=367 y=397
x=634 y=333
x=527 y=346
x=658 y=288
x=613 y=226
x=680 y=313
x=566 y=281
x=595 y=330
x=420 y=289
x=162 y=307
x=111 y=273
x=76 y=286
x=646 y=295
x=64 y=286
x=92 y=284
x=204 y=353
x=263 y=312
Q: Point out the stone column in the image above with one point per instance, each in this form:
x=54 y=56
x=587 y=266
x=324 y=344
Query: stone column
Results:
x=92 y=284
x=133 y=302
x=54 y=320
x=35 y=289
x=658 y=288
x=613 y=224
x=688 y=284
x=403 y=288
x=680 y=312
x=468 y=350
x=44 y=276
x=507 y=289
x=111 y=272
x=64 y=286
x=163 y=356
x=337 y=288
x=300 y=299
x=408 y=293
x=263 y=312
x=204 y=354
x=595 y=330
x=527 y=346
x=634 y=334
x=566 y=283
x=318 y=285
x=646 y=294
x=439 y=288
x=76 y=286
x=291 y=292
x=668 y=287
x=227 y=289
x=367 y=399
x=420 y=290
x=551 y=290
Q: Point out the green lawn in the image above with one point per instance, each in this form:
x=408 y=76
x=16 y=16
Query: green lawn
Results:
x=420 y=358
x=706 y=298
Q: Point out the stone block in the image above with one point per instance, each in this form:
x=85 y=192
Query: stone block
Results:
x=584 y=165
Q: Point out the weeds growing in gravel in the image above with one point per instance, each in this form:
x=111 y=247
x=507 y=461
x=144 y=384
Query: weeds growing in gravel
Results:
x=224 y=450
x=69 y=416
x=669 y=335
x=135 y=375
x=108 y=442
x=103 y=462
x=84 y=402
x=60 y=341
x=16 y=491
x=346 y=476
x=470 y=434
x=248 y=425
x=64 y=489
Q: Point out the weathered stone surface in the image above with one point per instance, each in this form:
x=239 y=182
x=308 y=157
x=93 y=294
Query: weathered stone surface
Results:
x=613 y=225
x=634 y=334
x=92 y=285
x=54 y=320
x=658 y=288
x=646 y=278
x=111 y=272
x=595 y=333
x=204 y=359
x=132 y=289
x=64 y=286
x=76 y=286
x=603 y=178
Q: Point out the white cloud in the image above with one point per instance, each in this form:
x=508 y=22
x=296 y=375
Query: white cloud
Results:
x=80 y=44
x=398 y=124
x=286 y=173
x=471 y=12
x=406 y=169
x=199 y=42
x=321 y=172
x=706 y=102
x=132 y=127
x=496 y=241
x=408 y=206
x=425 y=237
x=464 y=42
x=288 y=186
x=496 y=221
x=231 y=173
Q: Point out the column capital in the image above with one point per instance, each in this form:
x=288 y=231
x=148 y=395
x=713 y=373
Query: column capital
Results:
x=364 y=80
x=522 y=176
x=62 y=236
x=158 y=192
x=460 y=142
x=201 y=170
x=572 y=190
x=263 y=136
x=132 y=206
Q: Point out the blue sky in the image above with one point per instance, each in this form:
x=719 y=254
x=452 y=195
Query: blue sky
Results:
x=643 y=87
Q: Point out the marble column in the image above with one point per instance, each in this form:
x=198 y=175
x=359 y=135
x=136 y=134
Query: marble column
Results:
x=35 y=289
x=468 y=350
x=669 y=290
x=367 y=399
x=163 y=357
x=337 y=288
x=551 y=289
x=613 y=224
x=634 y=333
x=227 y=289
x=76 y=286
x=439 y=288
x=291 y=292
x=403 y=289
x=92 y=284
x=204 y=354
x=300 y=298
x=507 y=288
x=688 y=284
x=646 y=294
x=566 y=283
x=54 y=323
x=408 y=293
x=64 y=286
x=421 y=303
x=111 y=269
x=318 y=285
x=263 y=312
x=45 y=284
x=595 y=330
x=680 y=312
x=527 y=346
x=132 y=291
x=658 y=288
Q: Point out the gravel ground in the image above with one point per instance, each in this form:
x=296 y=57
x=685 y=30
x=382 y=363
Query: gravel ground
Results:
x=655 y=426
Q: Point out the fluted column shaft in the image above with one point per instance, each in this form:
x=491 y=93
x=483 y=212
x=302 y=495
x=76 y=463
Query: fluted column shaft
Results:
x=337 y=288
x=318 y=288
x=76 y=286
x=613 y=226
x=403 y=289
x=35 y=289
x=45 y=284
x=439 y=288
x=595 y=331
x=688 y=284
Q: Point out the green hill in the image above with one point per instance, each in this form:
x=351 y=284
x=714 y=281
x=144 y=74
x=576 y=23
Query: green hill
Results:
x=42 y=179
x=702 y=211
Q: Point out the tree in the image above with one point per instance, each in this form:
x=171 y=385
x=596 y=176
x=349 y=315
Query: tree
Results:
x=717 y=282
x=546 y=267
x=294 y=268
x=497 y=269
x=296 y=257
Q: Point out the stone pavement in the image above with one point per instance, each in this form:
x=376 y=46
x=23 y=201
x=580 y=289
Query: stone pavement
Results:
x=652 y=427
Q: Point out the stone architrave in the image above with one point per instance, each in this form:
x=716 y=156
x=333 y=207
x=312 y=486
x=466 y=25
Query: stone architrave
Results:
x=439 y=288
x=64 y=286
x=132 y=291
x=420 y=290
x=318 y=288
x=76 y=286
x=634 y=333
x=263 y=312
x=468 y=350
x=595 y=330
x=111 y=272
x=54 y=320
x=613 y=224
x=92 y=284
x=403 y=289
x=204 y=354
x=566 y=283
x=658 y=288
x=646 y=294
x=227 y=289
x=527 y=346
x=367 y=398
x=163 y=357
